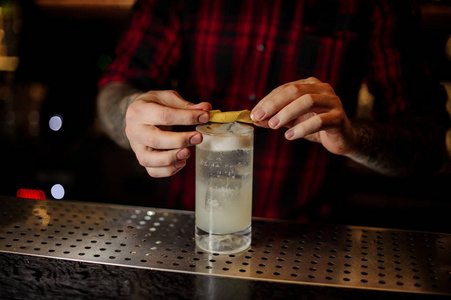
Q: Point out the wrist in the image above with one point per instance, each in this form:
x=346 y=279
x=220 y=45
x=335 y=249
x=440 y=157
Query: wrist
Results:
x=112 y=104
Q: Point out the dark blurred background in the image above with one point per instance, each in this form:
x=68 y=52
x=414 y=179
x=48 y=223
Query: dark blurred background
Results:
x=52 y=53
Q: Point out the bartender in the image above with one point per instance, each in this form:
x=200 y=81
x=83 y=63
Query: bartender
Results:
x=298 y=66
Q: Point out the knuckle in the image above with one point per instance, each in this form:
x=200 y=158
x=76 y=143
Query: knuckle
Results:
x=340 y=114
x=141 y=160
x=170 y=93
x=313 y=79
x=132 y=112
x=129 y=131
x=165 y=160
x=269 y=106
x=152 y=173
x=152 y=141
x=293 y=89
x=326 y=86
x=319 y=121
x=340 y=117
x=337 y=100
x=309 y=100
x=149 y=94
x=164 y=116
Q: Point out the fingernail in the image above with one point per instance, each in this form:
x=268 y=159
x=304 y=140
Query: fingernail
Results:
x=258 y=114
x=274 y=122
x=183 y=154
x=204 y=118
x=180 y=164
x=195 y=139
x=289 y=134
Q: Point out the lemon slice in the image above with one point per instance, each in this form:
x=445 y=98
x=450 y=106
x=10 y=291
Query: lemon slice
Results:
x=217 y=116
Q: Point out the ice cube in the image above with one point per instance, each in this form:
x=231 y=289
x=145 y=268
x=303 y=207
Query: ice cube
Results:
x=226 y=137
x=238 y=128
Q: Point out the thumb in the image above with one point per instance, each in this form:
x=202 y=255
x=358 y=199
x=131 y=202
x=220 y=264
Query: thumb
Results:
x=201 y=105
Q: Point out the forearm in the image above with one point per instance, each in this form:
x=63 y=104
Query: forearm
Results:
x=112 y=103
x=399 y=150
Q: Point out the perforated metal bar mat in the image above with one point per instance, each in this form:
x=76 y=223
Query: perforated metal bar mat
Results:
x=157 y=239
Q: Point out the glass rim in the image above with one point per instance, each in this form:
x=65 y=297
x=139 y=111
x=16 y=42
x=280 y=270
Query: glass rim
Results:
x=247 y=132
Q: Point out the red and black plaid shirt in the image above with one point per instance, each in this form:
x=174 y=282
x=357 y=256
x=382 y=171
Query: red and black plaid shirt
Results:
x=233 y=53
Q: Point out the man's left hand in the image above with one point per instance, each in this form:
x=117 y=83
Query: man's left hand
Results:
x=311 y=110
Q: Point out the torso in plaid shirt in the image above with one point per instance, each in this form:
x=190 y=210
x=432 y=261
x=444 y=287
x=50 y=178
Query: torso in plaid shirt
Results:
x=233 y=53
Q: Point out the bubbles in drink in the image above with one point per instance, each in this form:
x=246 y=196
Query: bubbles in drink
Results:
x=224 y=184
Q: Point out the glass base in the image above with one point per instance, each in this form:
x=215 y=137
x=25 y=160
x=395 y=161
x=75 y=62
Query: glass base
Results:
x=224 y=243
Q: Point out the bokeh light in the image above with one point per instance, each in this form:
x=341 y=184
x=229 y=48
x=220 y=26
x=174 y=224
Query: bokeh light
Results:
x=57 y=191
x=56 y=122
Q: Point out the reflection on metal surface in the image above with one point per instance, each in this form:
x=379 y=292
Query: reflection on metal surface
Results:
x=41 y=214
x=157 y=239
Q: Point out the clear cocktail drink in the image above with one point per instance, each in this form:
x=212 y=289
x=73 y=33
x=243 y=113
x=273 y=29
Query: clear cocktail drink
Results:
x=224 y=163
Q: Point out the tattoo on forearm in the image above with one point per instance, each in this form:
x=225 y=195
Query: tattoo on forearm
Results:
x=112 y=104
x=372 y=152
x=400 y=149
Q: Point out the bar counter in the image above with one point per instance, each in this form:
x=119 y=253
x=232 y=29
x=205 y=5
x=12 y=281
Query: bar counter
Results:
x=64 y=249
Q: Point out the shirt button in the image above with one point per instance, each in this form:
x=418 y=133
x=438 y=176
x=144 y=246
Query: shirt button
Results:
x=252 y=97
x=261 y=47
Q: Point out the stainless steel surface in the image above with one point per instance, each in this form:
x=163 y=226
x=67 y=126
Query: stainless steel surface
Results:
x=345 y=256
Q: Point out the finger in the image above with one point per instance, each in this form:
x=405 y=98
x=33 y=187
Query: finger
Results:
x=201 y=106
x=157 y=158
x=263 y=124
x=159 y=172
x=281 y=88
x=173 y=99
x=313 y=125
x=155 y=138
x=305 y=104
x=284 y=95
x=156 y=114
x=310 y=80
x=168 y=98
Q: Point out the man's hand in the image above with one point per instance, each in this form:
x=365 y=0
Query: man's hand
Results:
x=311 y=110
x=163 y=152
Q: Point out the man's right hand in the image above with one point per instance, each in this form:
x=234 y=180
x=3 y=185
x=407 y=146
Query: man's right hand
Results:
x=162 y=152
